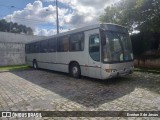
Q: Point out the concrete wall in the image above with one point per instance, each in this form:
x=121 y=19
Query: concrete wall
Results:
x=12 y=54
x=12 y=48
x=17 y=38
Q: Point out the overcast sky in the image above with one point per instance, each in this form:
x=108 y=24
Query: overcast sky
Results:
x=40 y=15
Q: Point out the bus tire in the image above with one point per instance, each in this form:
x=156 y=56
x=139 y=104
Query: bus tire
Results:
x=35 y=65
x=75 y=70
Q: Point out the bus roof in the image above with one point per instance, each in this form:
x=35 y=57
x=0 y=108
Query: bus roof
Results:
x=86 y=28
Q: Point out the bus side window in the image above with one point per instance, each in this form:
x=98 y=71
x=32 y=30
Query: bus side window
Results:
x=63 y=44
x=77 y=42
x=27 y=48
x=37 y=46
x=32 y=48
x=44 y=46
x=94 y=47
x=52 y=43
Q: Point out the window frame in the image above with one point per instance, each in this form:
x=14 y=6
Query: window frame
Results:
x=96 y=34
x=60 y=43
x=27 y=48
x=31 y=46
x=81 y=42
x=42 y=50
x=54 y=40
x=36 y=47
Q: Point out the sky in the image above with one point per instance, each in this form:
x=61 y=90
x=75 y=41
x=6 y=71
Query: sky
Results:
x=40 y=15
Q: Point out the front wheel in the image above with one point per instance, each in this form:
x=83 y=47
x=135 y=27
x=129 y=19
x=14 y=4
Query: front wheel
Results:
x=75 y=70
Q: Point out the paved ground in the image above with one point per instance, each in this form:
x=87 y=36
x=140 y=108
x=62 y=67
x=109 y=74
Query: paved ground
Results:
x=40 y=90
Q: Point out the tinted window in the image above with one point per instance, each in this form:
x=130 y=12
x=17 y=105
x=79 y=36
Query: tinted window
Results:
x=94 y=47
x=31 y=48
x=77 y=42
x=44 y=46
x=36 y=47
x=27 y=48
x=63 y=44
x=52 y=45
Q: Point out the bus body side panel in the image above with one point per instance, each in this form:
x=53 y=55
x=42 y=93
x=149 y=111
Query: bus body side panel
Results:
x=62 y=61
x=43 y=60
x=84 y=64
x=52 y=58
x=47 y=61
x=104 y=74
x=81 y=58
x=31 y=57
x=29 y=60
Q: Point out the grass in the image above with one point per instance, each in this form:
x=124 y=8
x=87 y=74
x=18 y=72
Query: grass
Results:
x=25 y=67
x=149 y=70
x=16 y=67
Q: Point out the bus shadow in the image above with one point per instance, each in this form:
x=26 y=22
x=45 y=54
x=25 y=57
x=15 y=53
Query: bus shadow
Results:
x=88 y=92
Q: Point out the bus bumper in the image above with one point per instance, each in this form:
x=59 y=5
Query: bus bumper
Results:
x=121 y=73
x=117 y=72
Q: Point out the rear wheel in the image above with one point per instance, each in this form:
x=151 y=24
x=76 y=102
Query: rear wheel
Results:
x=35 y=65
x=75 y=70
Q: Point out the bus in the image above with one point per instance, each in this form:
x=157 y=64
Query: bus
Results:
x=99 y=51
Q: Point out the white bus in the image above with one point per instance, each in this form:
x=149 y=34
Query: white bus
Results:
x=99 y=51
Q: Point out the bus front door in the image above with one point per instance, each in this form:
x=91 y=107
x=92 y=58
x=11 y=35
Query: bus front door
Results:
x=94 y=54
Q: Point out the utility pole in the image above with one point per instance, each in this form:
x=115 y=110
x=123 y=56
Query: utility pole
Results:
x=57 y=17
x=10 y=18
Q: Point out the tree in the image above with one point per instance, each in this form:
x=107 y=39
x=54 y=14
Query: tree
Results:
x=14 y=28
x=142 y=15
x=149 y=15
x=120 y=13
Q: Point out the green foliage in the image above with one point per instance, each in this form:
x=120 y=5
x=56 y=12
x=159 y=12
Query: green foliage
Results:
x=143 y=42
x=149 y=12
x=16 y=67
x=142 y=14
x=14 y=28
x=139 y=45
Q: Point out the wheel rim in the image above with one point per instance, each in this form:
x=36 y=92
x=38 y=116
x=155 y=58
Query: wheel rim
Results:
x=74 y=70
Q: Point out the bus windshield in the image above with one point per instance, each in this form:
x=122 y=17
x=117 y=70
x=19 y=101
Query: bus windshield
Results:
x=117 y=47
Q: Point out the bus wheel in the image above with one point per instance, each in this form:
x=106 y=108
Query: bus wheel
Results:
x=75 y=70
x=35 y=65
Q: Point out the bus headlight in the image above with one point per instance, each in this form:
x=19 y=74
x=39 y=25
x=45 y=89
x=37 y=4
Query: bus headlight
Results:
x=110 y=70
